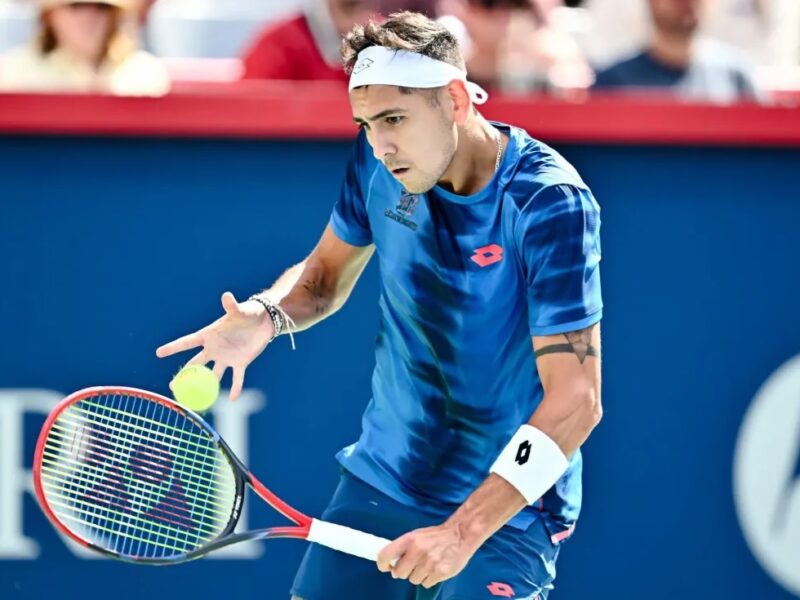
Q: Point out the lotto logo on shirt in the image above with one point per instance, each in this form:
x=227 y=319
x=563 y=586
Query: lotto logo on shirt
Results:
x=488 y=255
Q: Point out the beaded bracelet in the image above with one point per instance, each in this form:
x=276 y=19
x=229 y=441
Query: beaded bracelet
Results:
x=280 y=320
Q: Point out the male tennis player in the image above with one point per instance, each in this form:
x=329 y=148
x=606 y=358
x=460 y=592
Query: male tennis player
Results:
x=487 y=376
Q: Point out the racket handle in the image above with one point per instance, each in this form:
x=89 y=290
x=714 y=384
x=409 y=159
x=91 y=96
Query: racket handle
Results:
x=347 y=540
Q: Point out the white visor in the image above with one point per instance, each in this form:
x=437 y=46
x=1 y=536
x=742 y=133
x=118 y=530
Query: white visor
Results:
x=377 y=65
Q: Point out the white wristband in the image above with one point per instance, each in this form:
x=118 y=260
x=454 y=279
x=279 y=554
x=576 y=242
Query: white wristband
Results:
x=531 y=462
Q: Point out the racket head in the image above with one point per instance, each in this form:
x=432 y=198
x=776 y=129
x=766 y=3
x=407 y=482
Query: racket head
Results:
x=136 y=476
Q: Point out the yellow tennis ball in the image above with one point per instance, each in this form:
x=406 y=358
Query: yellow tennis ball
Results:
x=195 y=387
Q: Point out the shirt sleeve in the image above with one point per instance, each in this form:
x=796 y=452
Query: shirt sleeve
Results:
x=349 y=220
x=558 y=235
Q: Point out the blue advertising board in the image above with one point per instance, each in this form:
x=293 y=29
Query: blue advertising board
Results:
x=112 y=246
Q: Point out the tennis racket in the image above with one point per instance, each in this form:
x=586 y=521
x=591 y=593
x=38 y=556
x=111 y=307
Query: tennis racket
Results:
x=136 y=476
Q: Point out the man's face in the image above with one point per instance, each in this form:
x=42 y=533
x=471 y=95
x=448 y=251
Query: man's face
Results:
x=347 y=13
x=679 y=17
x=414 y=135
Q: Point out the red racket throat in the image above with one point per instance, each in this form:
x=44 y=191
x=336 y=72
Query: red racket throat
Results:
x=303 y=521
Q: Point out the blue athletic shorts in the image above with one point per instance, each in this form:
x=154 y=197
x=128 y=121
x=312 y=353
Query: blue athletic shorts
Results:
x=511 y=564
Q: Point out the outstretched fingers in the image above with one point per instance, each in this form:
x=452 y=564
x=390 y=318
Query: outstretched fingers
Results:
x=230 y=304
x=187 y=342
x=219 y=370
x=237 y=382
x=201 y=358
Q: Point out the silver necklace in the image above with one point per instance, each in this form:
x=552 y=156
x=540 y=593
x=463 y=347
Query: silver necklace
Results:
x=498 y=138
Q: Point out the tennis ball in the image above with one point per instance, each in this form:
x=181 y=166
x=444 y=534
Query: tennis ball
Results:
x=195 y=387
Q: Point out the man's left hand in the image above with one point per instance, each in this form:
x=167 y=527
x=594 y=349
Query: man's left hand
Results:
x=427 y=556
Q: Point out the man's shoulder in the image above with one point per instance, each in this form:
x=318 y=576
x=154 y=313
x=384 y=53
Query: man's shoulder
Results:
x=537 y=168
x=620 y=72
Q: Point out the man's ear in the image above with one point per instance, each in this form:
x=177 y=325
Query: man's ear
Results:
x=460 y=101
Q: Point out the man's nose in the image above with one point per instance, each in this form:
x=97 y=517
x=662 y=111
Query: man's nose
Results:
x=383 y=146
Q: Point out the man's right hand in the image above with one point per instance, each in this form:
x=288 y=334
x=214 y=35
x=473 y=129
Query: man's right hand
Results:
x=234 y=340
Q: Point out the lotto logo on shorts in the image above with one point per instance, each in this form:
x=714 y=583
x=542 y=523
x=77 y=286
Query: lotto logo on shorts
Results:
x=502 y=590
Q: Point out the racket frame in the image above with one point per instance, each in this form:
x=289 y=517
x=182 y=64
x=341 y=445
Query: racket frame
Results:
x=242 y=476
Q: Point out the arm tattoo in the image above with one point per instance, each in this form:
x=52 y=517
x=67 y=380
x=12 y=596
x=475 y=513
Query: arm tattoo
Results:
x=314 y=290
x=578 y=343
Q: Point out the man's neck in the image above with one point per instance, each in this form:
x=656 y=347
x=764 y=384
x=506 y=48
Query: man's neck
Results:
x=475 y=159
x=671 y=50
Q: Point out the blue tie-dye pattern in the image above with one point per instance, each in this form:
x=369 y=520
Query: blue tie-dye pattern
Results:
x=455 y=374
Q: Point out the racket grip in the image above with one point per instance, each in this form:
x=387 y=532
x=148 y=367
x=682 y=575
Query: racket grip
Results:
x=347 y=540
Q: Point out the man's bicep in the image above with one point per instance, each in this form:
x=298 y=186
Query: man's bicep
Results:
x=569 y=359
x=559 y=239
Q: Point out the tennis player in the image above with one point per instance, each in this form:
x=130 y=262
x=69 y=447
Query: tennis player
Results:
x=487 y=375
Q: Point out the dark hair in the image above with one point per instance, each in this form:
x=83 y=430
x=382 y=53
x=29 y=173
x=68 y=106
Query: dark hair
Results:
x=403 y=31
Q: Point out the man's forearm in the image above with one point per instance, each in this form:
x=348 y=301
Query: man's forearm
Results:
x=284 y=284
x=568 y=421
x=486 y=510
x=317 y=287
x=305 y=295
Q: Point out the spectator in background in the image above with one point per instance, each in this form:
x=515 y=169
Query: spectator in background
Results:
x=83 y=46
x=768 y=31
x=514 y=46
x=679 y=63
x=306 y=46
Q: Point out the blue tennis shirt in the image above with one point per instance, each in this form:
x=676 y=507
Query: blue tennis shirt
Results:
x=465 y=282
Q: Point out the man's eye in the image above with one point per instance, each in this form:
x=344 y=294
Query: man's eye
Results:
x=394 y=120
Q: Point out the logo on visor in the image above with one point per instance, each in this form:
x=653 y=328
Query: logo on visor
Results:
x=363 y=64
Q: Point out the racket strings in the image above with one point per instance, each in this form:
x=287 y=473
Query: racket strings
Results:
x=136 y=477
x=183 y=433
x=198 y=473
x=143 y=441
x=112 y=481
x=79 y=512
x=117 y=506
x=117 y=458
x=102 y=494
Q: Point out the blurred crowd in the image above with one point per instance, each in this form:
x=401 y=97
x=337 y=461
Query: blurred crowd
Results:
x=719 y=51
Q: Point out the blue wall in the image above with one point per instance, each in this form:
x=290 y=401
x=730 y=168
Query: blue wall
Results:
x=110 y=247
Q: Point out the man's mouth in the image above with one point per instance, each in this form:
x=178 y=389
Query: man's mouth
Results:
x=399 y=171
